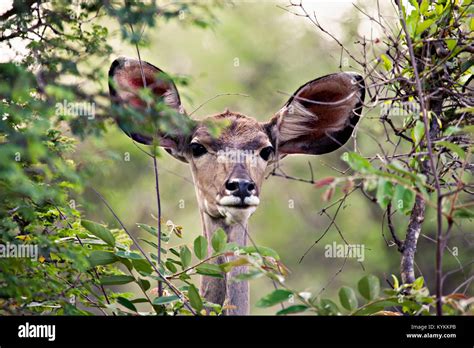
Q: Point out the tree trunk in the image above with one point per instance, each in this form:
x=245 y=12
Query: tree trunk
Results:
x=409 y=246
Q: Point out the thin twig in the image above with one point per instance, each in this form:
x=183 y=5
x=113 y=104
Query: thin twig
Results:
x=158 y=203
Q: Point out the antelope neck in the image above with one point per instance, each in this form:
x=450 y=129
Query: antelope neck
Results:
x=220 y=290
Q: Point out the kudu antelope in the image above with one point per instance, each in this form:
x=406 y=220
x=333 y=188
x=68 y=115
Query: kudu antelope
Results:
x=318 y=118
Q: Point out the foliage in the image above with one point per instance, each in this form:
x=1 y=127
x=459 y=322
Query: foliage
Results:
x=419 y=79
x=83 y=264
x=405 y=299
x=39 y=180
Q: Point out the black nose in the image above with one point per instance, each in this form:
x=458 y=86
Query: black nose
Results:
x=240 y=187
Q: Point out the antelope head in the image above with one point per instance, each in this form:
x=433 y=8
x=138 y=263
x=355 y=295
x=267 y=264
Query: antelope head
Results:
x=228 y=169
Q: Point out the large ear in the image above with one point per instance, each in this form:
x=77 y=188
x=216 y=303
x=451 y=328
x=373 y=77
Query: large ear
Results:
x=320 y=116
x=126 y=80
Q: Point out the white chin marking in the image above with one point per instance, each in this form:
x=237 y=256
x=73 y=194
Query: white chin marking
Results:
x=230 y=208
x=236 y=215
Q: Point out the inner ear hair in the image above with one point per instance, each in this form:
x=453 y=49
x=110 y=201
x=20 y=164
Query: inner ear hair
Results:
x=296 y=118
x=320 y=116
x=126 y=77
x=130 y=75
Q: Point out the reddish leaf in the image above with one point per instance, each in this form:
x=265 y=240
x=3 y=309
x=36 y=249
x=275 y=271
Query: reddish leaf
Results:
x=327 y=195
x=323 y=182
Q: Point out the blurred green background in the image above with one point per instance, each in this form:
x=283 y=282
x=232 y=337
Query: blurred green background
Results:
x=260 y=50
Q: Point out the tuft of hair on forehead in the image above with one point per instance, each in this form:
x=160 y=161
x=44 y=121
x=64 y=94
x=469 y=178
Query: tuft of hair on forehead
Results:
x=237 y=130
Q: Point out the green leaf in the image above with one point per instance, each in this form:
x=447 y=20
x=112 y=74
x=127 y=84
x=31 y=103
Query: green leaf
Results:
x=292 y=309
x=415 y=4
x=396 y=283
x=384 y=192
x=275 y=297
x=413 y=19
x=404 y=199
x=348 y=298
x=418 y=132
x=129 y=255
x=209 y=270
x=185 y=255
x=126 y=303
x=375 y=307
x=369 y=287
x=140 y=300
x=452 y=130
x=194 y=298
x=422 y=26
x=184 y=277
x=144 y=284
x=171 y=267
x=143 y=266
x=99 y=231
x=127 y=263
x=200 y=247
x=154 y=245
x=399 y=167
x=264 y=251
x=328 y=307
x=165 y=299
x=219 y=240
x=154 y=232
x=451 y=43
x=116 y=279
x=453 y=148
x=357 y=162
x=424 y=6
x=174 y=252
x=227 y=266
x=248 y=276
x=151 y=230
x=387 y=63
x=101 y=258
x=418 y=283
x=463 y=213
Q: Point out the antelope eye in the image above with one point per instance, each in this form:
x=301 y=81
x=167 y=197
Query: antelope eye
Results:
x=197 y=149
x=266 y=152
